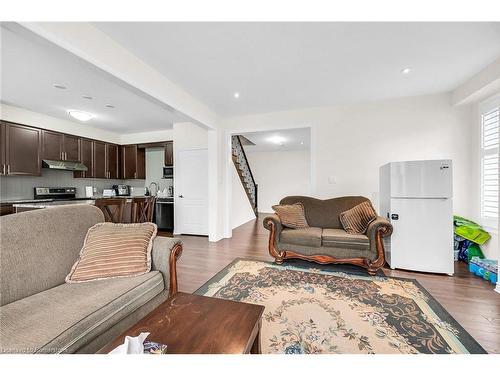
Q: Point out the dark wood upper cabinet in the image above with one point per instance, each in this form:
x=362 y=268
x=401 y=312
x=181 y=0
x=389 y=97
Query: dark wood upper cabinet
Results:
x=99 y=159
x=22 y=150
x=71 y=148
x=112 y=158
x=86 y=158
x=58 y=146
x=141 y=163
x=169 y=154
x=133 y=162
x=52 y=145
x=129 y=161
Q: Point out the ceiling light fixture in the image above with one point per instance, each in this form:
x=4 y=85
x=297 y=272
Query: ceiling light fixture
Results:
x=59 y=86
x=81 y=115
x=110 y=106
x=301 y=143
x=236 y=95
x=88 y=97
x=277 y=140
x=406 y=71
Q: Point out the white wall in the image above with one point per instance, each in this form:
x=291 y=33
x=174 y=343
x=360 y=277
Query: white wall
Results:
x=155 y=161
x=241 y=209
x=349 y=143
x=280 y=173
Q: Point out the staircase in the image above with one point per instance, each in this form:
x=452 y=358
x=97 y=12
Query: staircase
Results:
x=243 y=168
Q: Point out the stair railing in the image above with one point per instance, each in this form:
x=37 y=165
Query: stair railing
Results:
x=239 y=153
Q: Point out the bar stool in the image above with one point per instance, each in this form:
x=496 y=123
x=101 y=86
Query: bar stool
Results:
x=142 y=209
x=112 y=208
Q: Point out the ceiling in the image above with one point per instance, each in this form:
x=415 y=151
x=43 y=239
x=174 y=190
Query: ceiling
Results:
x=280 y=140
x=281 y=66
x=30 y=66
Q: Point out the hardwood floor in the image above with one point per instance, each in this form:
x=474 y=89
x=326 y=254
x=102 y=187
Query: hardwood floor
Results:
x=469 y=299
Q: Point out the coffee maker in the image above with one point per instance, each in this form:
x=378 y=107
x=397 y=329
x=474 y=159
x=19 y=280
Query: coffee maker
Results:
x=121 y=190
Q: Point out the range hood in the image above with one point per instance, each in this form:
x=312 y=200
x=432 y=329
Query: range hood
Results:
x=64 y=165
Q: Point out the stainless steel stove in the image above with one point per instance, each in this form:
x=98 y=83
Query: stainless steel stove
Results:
x=56 y=193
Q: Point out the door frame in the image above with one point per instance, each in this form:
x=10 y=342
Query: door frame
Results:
x=176 y=197
x=227 y=217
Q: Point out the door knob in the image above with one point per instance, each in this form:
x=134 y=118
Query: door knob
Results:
x=181 y=196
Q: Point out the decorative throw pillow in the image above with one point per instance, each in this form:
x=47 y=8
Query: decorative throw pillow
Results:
x=356 y=220
x=291 y=215
x=114 y=250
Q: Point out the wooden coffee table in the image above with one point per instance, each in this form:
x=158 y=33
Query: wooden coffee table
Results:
x=192 y=324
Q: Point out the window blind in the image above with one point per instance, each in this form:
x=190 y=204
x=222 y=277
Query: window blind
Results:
x=489 y=164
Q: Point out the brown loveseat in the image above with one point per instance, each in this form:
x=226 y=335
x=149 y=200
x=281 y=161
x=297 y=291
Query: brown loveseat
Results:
x=325 y=241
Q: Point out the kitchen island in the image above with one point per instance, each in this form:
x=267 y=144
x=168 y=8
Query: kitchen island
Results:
x=34 y=205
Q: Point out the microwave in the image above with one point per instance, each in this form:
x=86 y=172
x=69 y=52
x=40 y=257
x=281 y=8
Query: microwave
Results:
x=168 y=172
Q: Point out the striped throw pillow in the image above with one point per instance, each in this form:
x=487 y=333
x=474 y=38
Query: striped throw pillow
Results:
x=357 y=219
x=114 y=250
x=291 y=215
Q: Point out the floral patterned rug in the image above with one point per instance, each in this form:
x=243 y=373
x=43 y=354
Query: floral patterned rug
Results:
x=323 y=309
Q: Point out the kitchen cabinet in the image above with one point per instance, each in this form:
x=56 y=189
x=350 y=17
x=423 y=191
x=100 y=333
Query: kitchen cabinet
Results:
x=112 y=161
x=20 y=149
x=86 y=158
x=99 y=159
x=71 y=147
x=58 y=146
x=133 y=162
x=6 y=209
x=169 y=154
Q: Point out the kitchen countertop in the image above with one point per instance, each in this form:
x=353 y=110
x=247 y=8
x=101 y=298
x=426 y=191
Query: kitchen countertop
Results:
x=47 y=203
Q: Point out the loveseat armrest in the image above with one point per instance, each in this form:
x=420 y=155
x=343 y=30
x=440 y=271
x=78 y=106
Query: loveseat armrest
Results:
x=164 y=257
x=379 y=225
x=273 y=220
x=273 y=224
x=377 y=229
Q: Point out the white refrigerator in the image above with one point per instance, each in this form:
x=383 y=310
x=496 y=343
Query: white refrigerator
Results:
x=417 y=198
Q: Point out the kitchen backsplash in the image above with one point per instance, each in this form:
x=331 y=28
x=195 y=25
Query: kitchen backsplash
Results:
x=21 y=187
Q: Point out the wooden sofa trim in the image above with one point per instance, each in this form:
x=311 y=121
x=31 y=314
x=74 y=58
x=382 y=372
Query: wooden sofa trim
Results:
x=372 y=266
x=175 y=254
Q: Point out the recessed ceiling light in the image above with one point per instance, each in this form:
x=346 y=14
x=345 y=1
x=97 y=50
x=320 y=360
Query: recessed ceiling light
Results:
x=59 y=86
x=406 y=71
x=236 y=95
x=301 y=143
x=87 y=97
x=277 y=140
x=110 y=106
x=81 y=115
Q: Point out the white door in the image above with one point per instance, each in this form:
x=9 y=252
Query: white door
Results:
x=422 y=179
x=191 y=170
x=422 y=239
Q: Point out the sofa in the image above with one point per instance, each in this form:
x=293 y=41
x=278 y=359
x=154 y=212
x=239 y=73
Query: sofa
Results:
x=40 y=313
x=325 y=241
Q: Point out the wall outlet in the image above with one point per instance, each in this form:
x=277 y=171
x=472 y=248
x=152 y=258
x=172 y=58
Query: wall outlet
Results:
x=332 y=180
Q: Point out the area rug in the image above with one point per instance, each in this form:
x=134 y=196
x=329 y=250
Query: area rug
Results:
x=311 y=309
